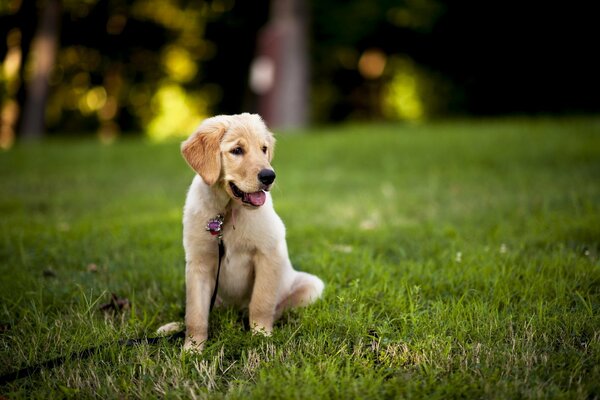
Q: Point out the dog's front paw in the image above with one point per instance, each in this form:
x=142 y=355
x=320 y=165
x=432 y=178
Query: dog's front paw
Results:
x=193 y=344
x=259 y=329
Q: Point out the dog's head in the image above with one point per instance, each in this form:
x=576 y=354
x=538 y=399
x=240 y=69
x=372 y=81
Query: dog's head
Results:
x=233 y=152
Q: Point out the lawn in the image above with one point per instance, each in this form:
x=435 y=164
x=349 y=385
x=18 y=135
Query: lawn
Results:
x=461 y=259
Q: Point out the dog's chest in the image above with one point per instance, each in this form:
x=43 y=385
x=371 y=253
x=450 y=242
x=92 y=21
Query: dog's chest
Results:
x=247 y=230
x=237 y=269
x=237 y=277
x=239 y=236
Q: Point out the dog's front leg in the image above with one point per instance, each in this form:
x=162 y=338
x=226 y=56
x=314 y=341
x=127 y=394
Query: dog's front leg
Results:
x=199 y=284
x=265 y=294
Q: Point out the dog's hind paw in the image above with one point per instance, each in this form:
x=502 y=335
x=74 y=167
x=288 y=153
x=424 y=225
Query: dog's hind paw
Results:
x=171 y=327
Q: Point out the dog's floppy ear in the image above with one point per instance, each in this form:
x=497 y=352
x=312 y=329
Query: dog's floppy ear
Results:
x=202 y=150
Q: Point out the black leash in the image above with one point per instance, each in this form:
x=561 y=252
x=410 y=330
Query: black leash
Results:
x=215 y=227
x=83 y=354
x=221 y=254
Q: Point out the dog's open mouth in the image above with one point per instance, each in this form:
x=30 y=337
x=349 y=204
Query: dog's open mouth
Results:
x=256 y=199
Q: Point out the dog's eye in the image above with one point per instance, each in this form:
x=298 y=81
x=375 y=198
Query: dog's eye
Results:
x=264 y=149
x=238 y=151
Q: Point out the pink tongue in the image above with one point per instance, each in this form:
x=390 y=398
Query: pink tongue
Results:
x=257 y=198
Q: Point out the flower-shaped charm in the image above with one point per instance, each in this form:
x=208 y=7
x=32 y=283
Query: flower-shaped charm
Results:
x=215 y=226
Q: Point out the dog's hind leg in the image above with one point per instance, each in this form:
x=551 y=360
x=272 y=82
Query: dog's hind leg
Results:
x=305 y=290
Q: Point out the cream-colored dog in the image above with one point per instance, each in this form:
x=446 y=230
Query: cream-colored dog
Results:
x=232 y=156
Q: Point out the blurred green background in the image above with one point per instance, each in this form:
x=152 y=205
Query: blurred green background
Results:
x=114 y=67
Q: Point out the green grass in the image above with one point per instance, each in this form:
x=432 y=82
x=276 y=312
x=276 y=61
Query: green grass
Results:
x=461 y=260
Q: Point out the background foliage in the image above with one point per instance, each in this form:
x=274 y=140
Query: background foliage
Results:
x=160 y=66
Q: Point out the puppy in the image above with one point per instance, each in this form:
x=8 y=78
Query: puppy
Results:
x=232 y=157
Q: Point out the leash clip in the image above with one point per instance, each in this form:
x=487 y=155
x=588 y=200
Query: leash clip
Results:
x=215 y=226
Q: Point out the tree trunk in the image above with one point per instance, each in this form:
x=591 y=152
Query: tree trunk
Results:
x=42 y=59
x=280 y=70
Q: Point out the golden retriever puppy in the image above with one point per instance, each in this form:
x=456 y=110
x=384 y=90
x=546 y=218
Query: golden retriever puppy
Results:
x=232 y=157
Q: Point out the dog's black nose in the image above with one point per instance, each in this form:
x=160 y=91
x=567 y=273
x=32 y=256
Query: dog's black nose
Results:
x=266 y=176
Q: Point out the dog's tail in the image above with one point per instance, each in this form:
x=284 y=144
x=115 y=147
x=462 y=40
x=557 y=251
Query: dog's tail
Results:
x=170 y=328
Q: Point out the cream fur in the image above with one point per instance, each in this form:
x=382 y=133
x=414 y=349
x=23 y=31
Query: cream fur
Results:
x=256 y=271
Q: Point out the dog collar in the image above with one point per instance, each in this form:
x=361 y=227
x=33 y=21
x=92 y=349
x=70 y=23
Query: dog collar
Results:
x=215 y=226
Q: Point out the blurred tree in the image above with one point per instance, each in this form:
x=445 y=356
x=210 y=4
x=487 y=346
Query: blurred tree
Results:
x=121 y=66
x=131 y=66
x=42 y=59
x=279 y=73
x=160 y=66
x=357 y=48
x=18 y=21
x=454 y=57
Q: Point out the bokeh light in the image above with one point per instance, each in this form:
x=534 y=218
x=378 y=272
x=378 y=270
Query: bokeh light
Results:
x=372 y=63
x=176 y=111
x=402 y=98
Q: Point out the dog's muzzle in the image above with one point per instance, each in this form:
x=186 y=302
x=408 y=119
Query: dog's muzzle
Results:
x=256 y=199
